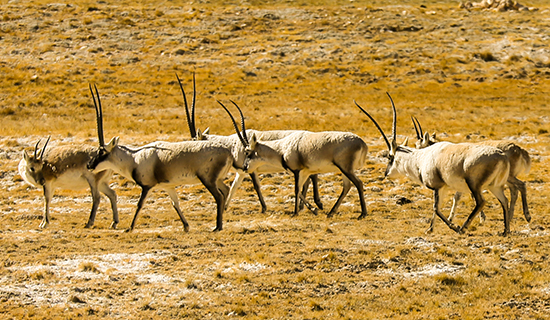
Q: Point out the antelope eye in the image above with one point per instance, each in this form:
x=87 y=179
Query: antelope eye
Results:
x=32 y=169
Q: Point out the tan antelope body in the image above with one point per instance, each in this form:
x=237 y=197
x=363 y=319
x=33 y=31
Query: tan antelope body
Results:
x=463 y=167
x=233 y=143
x=64 y=167
x=520 y=163
x=238 y=151
x=166 y=165
x=308 y=153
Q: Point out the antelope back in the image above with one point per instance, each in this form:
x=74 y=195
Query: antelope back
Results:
x=520 y=161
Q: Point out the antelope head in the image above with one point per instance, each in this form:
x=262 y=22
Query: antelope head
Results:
x=392 y=145
x=32 y=165
x=424 y=139
x=249 y=145
x=196 y=134
x=103 y=150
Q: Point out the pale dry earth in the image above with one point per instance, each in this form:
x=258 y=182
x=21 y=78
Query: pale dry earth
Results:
x=469 y=75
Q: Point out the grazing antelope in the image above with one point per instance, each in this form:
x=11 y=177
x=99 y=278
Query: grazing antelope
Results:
x=463 y=167
x=520 y=163
x=64 y=167
x=237 y=149
x=305 y=153
x=166 y=165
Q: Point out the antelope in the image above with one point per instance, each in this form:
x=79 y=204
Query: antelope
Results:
x=166 y=165
x=64 y=167
x=237 y=149
x=520 y=163
x=305 y=153
x=461 y=167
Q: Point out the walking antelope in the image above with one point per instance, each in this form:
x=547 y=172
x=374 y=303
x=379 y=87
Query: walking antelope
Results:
x=238 y=150
x=305 y=153
x=64 y=167
x=520 y=163
x=166 y=165
x=461 y=167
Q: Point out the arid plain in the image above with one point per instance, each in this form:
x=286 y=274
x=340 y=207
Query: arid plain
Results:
x=469 y=75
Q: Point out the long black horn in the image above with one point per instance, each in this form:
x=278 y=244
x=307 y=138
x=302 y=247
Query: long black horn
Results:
x=190 y=118
x=99 y=116
x=36 y=149
x=44 y=148
x=419 y=127
x=418 y=133
x=242 y=122
x=394 y=122
x=193 y=106
x=243 y=141
x=376 y=124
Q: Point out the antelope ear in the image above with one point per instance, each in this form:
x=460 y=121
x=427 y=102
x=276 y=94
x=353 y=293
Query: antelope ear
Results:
x=26 y=156
x=425 y=141
x=112 y=144
x=253 y=141
x=404 y=144
x=201 y=135
x=433 y=137
x=393 y=149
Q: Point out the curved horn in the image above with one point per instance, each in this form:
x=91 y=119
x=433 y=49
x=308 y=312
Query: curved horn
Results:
x=394 y=122
x=243 y=141
x=418 y=133
x=99 y=116
x=242 y=122
x=419 y=127
x=36 y=149
x=193 y=105
x=376 y=124
x=190 y=117
x=44 y=148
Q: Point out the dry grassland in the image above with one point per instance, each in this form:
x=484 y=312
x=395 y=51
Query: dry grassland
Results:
x=291 y=65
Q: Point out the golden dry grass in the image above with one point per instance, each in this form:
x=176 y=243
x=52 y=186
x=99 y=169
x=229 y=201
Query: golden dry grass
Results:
x=291 y=65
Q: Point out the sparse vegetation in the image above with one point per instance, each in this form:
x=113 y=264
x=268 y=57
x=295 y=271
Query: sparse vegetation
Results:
x=300 y=64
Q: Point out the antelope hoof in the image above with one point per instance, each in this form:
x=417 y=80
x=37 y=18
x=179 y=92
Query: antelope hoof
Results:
x=430 y=230
x=315 y=211
x=528 y=217
x=362 y=216
x=88 y=225
x=43 y=225
x=319 y=205
x=217 y=229
x=505 y=233
x=128 y=230
x=186 y=228
x=459 y=230
x=113 y=225
x=264 y=209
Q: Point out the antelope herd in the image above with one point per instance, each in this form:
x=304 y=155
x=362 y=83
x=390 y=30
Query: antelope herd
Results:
x=208 y=158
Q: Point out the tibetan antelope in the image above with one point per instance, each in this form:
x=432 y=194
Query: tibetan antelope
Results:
x=166 y=165
x=520 y=163
x=305 y=153
x=238 y=150
x=64 y=167
x=463 y=167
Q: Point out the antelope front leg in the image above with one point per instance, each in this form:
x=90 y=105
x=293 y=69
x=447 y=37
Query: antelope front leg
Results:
x=48 y=193
x=141 y=202
x=257 y=187
x=299 y=182
x=480 y=202
x=437 y=212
